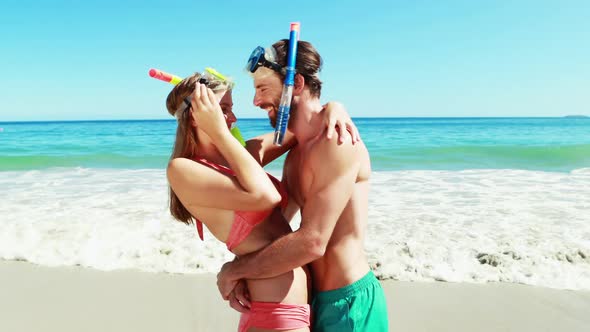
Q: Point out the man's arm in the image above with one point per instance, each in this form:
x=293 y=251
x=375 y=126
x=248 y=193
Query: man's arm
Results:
x=263 y=149
x=334 y=169
x=336 y=119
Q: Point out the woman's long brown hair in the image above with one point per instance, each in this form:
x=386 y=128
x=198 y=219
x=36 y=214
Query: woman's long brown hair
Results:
x=185 y=145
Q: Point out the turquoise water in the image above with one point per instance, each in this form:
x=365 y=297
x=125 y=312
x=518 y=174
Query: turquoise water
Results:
x=448 y=195
x=547 y=144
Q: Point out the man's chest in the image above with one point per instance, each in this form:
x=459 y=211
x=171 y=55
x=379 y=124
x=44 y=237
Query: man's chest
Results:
x=298 y=177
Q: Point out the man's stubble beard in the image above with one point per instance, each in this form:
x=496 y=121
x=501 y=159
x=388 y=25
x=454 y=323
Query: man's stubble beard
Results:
x=273 y=115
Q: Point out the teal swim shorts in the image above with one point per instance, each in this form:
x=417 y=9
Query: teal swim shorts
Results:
x=359 y=306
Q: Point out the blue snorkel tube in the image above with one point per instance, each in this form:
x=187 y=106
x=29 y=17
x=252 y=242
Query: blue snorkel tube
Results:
x=285 y=105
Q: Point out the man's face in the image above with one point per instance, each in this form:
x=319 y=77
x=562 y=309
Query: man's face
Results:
x=268 y=86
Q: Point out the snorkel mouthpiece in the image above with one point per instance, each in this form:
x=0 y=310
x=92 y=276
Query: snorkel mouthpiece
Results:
x=235 y=131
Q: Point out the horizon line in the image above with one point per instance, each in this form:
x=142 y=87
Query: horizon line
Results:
x=580 y=116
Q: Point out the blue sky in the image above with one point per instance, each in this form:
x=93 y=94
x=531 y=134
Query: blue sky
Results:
x=82 y=60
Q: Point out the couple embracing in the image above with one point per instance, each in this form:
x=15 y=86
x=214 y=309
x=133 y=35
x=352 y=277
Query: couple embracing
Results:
x=216 y=182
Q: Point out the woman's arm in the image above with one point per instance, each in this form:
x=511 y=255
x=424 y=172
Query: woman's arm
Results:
x=195 y=184
x=335 y=117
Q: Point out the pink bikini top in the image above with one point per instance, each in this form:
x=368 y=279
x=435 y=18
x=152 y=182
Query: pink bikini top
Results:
x=244 y=221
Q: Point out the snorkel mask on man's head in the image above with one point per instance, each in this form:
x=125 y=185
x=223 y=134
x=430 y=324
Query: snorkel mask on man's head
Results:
x=263 y=58
x=267 y=58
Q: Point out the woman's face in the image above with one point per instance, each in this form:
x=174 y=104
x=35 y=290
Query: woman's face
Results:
x=227 y=105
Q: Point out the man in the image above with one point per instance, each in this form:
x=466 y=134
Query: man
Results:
x=329 y=182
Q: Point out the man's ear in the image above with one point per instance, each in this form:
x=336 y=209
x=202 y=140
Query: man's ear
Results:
x=299 y=84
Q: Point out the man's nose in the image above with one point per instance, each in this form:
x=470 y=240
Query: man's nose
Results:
x=256 y=100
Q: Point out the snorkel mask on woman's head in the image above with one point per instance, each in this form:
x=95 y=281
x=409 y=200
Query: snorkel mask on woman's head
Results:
x=211 y=74
x=207 y=78
x=207 y=74
x=265 y=58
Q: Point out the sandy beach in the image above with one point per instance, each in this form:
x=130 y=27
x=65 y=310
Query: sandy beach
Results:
x=38 y=298
x=474 y=115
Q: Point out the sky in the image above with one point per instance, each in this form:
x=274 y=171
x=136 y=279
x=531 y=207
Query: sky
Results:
x=88 y=60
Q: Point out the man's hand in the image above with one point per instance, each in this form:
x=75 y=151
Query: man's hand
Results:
x=224 y=283
x=239 y=298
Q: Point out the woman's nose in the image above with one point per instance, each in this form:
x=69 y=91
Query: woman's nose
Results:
x=231 y=117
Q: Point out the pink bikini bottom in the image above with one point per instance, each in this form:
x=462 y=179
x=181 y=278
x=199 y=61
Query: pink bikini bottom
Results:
x=275 y=316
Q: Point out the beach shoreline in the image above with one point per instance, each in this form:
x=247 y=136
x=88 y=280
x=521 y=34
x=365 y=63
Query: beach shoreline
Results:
x=40 y=298
x=454 y=226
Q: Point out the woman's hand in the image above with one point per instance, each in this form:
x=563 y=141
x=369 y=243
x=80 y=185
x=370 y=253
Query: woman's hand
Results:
x=335 y=116
x=239 y=298
x=206 y=112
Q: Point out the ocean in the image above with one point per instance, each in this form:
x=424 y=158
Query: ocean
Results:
x=452 y=199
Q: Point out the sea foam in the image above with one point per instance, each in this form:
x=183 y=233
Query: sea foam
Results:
x=514 y=226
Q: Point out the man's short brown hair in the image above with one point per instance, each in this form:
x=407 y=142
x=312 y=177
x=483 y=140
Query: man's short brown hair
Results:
x=308 y=63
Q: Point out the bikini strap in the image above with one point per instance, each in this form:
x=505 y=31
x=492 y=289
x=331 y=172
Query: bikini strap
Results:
x=217 y=167
x=200 y=229
x=284 y=195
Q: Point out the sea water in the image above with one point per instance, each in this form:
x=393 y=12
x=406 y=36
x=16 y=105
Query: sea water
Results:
x=452 y=199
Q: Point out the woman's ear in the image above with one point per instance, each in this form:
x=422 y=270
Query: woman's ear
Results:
x=299 y=84
x=193 y=122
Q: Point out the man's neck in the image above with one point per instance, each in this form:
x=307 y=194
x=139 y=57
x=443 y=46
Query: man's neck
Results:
x=307 y=120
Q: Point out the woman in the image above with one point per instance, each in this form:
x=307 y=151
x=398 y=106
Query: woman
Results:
x=214 y=180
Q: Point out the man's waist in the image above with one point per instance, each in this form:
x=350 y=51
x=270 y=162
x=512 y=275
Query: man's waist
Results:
x=368 y=280
x=328 y=274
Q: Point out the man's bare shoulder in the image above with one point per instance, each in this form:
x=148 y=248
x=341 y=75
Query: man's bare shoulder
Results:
x=323 y=152
x=328 y=157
